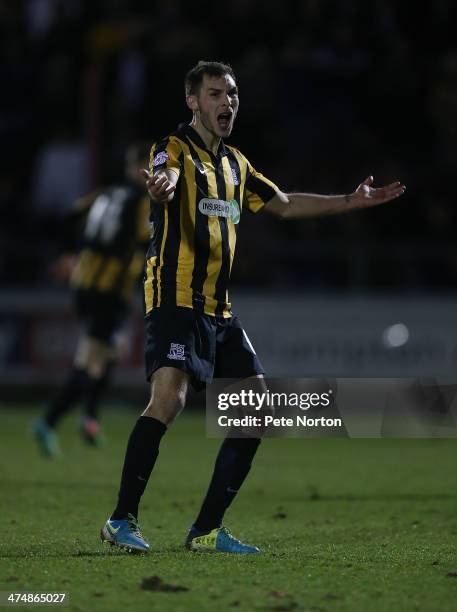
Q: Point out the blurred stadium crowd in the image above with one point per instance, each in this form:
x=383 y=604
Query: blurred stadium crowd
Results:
x=330 y=91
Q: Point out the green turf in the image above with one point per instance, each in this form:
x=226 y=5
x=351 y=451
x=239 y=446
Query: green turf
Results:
x=345 y=524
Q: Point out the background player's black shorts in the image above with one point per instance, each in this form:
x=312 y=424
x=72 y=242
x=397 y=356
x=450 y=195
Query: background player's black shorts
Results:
x=204 y=346
x=102 y=315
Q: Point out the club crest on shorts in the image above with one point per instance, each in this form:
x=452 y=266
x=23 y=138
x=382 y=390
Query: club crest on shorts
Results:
x=177 y=352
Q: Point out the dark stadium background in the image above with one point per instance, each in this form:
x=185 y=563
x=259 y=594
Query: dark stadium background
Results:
x=330 y=91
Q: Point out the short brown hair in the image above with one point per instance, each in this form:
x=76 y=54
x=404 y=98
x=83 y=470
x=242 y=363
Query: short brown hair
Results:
x=194 y=77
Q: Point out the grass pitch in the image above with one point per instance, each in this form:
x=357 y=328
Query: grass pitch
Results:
x=345 y=524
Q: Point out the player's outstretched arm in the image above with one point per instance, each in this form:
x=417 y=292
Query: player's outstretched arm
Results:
x=161 y=186
x=301 y=205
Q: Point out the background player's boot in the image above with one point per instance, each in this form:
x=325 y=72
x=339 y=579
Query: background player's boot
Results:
x=91 y=432
x=124 y=533
x=217 y=540
x=46 y=439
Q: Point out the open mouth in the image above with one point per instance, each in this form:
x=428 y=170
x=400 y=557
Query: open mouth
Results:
x=224 y=120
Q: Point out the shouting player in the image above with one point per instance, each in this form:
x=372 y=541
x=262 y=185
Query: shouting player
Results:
x=200 y=188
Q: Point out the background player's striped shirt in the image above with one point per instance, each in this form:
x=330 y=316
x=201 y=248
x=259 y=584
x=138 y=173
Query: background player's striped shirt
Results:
x=116 y=236
x=192 y=248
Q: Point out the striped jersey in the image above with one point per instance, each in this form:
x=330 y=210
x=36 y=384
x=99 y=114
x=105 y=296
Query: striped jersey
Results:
x=116 y=236
x=191 y=251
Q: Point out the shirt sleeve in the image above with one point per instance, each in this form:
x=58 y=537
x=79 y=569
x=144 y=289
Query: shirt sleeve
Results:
x=166 y=155
x=259 y=189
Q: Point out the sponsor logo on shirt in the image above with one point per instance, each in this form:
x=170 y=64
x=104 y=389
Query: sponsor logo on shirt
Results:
x=220 y=208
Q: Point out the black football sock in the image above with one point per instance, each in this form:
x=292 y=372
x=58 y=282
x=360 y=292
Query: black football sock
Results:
x=140 y=457
x=71 y=392
x=94 y=391
x=232 y=466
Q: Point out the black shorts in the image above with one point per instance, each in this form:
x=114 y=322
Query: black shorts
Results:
x=204 y=346
x=102 y=316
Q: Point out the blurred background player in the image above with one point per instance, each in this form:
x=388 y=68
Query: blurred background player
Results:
x=103 y=277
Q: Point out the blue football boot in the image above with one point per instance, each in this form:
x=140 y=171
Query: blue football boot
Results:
x=124 y=533
x=217 y=540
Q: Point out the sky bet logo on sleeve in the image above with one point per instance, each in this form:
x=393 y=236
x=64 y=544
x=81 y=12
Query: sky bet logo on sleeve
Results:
x=220 y=208
x=160 y=158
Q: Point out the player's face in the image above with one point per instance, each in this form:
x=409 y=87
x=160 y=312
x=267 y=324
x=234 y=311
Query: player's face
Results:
x=216 y=104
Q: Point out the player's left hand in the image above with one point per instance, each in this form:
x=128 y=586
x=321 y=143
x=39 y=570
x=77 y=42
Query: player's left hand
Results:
x=365 y=195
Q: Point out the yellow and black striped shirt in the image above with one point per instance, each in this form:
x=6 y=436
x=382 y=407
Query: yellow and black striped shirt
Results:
x=116 y=237
x=192 y=248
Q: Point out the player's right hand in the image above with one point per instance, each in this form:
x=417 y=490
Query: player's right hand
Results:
x=160 y=188
x=62 y=268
